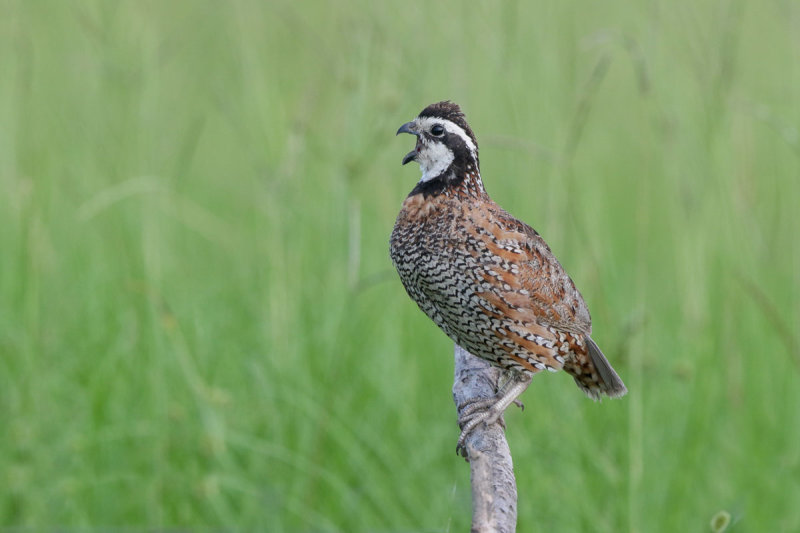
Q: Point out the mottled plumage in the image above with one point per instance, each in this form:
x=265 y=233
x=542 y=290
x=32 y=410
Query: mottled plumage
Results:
x=489 y=281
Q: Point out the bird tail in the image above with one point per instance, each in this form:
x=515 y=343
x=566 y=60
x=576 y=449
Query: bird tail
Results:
x=593 y=373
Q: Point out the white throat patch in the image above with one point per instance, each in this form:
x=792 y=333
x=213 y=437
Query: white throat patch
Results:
x=434 y=157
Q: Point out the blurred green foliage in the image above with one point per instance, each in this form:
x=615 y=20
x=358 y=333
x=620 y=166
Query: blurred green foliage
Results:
x=199 y=323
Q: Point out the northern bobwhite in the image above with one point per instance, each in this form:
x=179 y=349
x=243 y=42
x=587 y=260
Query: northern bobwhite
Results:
x=489 y=281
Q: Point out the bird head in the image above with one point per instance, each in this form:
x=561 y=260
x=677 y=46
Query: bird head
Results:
x=446 y=148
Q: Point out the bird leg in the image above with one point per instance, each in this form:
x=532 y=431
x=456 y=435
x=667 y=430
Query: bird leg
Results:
x=467 y=407
x=488 y=410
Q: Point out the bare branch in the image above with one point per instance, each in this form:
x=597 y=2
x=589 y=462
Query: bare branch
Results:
x=494 y=489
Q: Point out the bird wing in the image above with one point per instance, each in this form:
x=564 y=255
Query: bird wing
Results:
x=527 y=278
x=536 y=305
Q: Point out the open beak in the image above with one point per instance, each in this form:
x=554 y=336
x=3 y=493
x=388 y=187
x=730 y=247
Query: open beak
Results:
x=408 y=127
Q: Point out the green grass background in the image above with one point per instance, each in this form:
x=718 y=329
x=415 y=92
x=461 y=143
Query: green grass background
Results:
x=200 y=327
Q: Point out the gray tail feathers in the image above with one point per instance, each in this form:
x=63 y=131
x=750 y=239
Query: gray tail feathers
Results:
x=611 y=384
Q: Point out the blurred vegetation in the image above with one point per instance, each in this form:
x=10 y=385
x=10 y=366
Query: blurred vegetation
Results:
x=199 y=323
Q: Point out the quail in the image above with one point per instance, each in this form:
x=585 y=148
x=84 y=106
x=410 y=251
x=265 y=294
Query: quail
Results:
x=488 y=280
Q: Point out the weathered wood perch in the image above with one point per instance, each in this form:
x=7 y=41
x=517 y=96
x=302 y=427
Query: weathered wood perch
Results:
x=494 y=489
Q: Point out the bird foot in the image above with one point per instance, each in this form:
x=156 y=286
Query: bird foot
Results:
x=487 y=411
x=473 y=405
x=474 y=412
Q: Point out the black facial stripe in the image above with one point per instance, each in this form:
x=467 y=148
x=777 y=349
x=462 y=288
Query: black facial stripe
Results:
x=462 y=153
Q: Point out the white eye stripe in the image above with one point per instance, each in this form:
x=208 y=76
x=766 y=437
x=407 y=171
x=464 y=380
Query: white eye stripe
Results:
x=428 y=122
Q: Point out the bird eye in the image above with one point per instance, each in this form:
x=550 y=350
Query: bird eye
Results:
x=437 y=130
